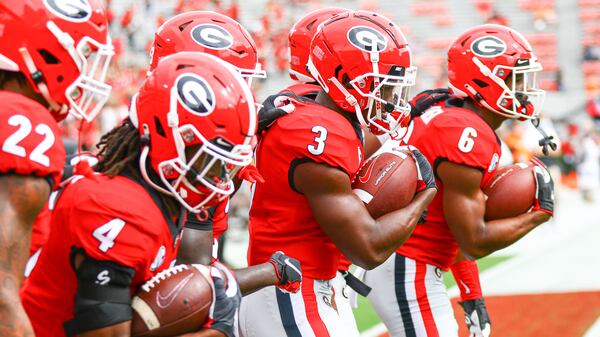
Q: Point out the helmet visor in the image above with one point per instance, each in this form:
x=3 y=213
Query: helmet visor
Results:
x=522 y=98
x=89 y=92
x=388 y=99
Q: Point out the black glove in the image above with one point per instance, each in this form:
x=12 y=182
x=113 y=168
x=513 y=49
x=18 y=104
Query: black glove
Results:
x=224 y=310
x=424 y=170
x=426 y=99
x=288 y=270
x=477 y=318
x=544 y=194
x=274 y=107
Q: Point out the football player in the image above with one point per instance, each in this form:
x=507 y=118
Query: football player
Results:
x=53 y=61
x=492 y=77
x=306 y=206
x=189 y=131
x=225 y=38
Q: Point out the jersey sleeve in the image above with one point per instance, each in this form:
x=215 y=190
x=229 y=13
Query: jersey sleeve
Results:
x=30 y=140
x=470 y=144
x=107 y=231
x=329 y=141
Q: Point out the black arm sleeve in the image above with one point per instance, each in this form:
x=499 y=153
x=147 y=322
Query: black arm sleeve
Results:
x=103 y=296
x=202 y=221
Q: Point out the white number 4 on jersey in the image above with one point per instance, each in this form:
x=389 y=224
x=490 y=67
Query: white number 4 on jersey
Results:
x=107 y=233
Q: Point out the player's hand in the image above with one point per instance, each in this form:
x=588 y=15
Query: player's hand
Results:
x=477 y=318
x=272 y=108
x=288 y=270
x=424 y=170
x=250 y=174
x=224 y=309
x=426 y=99
x=544 y=194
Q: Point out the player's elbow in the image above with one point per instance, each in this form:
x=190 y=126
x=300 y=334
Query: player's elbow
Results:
x=370 y=258
x=474 y=250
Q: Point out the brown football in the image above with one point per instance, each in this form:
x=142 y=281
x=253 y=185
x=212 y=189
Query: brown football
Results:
x=510 y=192
x=386 y=182
x=174 y=302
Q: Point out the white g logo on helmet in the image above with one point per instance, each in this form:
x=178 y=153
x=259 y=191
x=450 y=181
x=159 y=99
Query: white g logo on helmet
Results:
x=364 y=38
x=212 y=36
x=194 y=93
x=70 y=10
x=488 y=46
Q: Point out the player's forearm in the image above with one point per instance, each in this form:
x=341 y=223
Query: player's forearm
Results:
x=502 y=233
x=393 y=229
x=13 y=320
x=255 y=278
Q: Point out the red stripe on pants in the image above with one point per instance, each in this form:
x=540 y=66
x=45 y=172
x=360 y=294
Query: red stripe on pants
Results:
x=312 y=309
x=423 y=301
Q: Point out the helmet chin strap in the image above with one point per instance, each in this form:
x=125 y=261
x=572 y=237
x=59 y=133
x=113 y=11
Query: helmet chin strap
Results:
x=144 y=172
x=546 y=141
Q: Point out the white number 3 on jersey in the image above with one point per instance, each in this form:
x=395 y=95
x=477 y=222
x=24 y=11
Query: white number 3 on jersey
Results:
x=319 y=139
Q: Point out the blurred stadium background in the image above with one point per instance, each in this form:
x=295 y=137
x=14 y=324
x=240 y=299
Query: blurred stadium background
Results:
x=548 y=284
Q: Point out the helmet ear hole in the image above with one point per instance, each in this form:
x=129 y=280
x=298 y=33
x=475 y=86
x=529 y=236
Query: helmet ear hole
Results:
x=48 y=57
x=480 y=83
x=159 y=127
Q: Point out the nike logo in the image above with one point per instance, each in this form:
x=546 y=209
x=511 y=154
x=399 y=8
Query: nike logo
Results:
x=165 y=301
x=467 y=290
x=522 y=61
x=287 y=262
x=367 y=175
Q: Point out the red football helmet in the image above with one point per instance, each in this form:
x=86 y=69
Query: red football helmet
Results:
x=211 y=33
x=362 y=60
x=63 y=49
x=495 y=66
x=299 y=41
x=197 y=117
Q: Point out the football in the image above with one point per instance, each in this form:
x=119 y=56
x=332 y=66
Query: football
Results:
x=173 y=302
x=386 y=182
x=510 y=192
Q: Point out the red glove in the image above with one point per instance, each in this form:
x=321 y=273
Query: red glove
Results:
x=250 y=174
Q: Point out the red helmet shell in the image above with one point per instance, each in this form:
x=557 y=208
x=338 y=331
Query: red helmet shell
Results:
x=483 y=58
x=189 y=99
x=300 y=37
x=211 y=33
x=44 y=30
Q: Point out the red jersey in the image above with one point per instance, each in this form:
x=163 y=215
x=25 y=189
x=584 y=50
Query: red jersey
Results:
x=30 y=139
x=110 y=219
x=460 y=136
x=310 y=91
x=280 y=217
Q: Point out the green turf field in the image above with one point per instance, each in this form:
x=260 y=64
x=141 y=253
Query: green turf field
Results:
x=367 y=318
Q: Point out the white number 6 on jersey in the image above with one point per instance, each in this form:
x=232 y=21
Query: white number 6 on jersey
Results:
x=320 y=139
x=466 y=141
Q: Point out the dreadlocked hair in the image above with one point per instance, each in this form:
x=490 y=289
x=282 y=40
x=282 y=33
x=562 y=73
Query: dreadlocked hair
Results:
x=119 y=151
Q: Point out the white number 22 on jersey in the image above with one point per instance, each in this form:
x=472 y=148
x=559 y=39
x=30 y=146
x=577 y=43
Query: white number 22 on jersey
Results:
x=466 y=141
x=320 y=139
x=107 y=233
x=11 y=144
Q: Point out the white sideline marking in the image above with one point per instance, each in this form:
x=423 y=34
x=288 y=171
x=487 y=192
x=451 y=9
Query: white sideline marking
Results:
x=594 y=330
